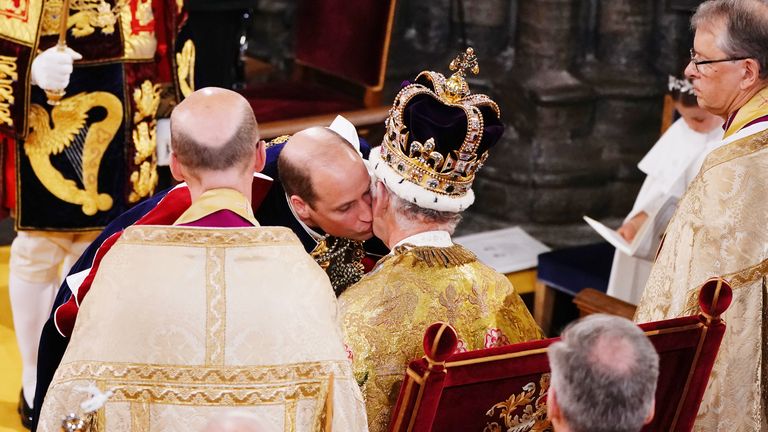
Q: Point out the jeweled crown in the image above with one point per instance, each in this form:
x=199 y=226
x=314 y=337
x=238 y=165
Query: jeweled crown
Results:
x=444 y=168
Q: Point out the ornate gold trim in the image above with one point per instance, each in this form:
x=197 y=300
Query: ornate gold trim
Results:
x=448 y=174
x=69 y=131
x=202 y=385
x=144 y=178
x=216 y=306
x=8 y=75
x=208 y=237
x=19 y=22
x=451 y=256
x=278 y=140
x=533 y=417
x=185 y=68
x=84 y=17
x=748 y=275
x=736 y=149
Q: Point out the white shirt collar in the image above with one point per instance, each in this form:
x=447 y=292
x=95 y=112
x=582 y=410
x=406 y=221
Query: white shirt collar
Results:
x=427 y=238
x=316 y=236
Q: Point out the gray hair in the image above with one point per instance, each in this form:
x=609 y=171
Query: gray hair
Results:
x=746 y=28
x=604 y=373
x=408 y=213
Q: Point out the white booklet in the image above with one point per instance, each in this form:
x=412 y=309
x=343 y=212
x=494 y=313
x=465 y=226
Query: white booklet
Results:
x=506 y=250
x=614 y=238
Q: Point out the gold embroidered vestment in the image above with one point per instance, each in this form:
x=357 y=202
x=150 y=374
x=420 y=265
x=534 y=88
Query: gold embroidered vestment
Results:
x=719 y=229
x=385 y=314
x=183 y=324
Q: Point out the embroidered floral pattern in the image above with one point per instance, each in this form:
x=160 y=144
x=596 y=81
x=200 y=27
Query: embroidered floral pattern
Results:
x=495 y=338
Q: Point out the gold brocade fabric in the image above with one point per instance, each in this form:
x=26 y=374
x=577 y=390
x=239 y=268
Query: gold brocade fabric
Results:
x=183 y=324
x=720 y=229
x=385 y=315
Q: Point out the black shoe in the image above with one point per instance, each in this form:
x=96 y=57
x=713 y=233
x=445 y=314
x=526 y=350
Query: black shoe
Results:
x=25 y=412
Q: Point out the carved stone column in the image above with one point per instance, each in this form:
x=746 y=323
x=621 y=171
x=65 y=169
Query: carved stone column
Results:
x=628 y=110
x=537 y=174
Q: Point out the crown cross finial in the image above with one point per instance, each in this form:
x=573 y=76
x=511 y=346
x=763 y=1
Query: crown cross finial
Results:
x=465 y=61
x=455 y=86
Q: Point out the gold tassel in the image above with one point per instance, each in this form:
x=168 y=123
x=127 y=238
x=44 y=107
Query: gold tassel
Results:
x=452 y=256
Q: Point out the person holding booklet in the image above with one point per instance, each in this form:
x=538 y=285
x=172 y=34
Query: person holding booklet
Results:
x=670 y=166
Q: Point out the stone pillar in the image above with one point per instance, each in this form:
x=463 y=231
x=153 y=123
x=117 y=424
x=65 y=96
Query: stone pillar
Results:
x=537 y=173
x=628 y=109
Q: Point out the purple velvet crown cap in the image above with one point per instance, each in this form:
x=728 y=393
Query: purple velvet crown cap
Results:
x=426 y=117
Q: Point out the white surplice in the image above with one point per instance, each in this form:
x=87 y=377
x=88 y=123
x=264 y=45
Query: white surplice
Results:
x=670 y=166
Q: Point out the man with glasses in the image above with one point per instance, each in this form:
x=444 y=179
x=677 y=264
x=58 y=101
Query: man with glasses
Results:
x=719 y=228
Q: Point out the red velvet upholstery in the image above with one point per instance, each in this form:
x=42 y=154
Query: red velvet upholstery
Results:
x=348 y=39
x=474 y=390
x=287 y=100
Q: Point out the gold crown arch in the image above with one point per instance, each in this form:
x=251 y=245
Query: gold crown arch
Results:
x=451 y=174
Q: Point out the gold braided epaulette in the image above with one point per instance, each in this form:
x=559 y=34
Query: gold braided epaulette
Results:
x=451 y=256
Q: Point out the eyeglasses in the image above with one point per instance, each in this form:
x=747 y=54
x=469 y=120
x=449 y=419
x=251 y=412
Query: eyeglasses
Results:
x=697 y=63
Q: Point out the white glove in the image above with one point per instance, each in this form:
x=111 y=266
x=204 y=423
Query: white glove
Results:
x=51 y=68
x=163 y=137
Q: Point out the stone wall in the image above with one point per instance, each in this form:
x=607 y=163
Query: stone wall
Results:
x=580 y=84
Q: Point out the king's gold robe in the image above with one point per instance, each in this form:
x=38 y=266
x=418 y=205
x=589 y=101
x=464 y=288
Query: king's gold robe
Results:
x=183 y=323
x=721 y=229
x=384 y=316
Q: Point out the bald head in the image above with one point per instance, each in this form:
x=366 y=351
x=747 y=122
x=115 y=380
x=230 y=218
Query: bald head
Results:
x=213 y=129
x=312 y=152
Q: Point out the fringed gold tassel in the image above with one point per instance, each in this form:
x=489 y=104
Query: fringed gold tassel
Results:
x=455 y=255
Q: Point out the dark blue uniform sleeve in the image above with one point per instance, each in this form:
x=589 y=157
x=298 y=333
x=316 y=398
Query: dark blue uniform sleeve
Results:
x=52 y=343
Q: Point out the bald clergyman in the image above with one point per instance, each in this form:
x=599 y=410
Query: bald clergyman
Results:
x=271 y=208
x=183 y=322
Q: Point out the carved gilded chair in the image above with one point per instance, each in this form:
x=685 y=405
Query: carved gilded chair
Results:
x=505 y=388
x=341 y=50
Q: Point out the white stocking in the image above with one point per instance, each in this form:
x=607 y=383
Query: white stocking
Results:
x=31 y=304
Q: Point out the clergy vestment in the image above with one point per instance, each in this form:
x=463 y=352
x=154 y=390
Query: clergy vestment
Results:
x=182 y=323
x=426 y=279
x=670 y=166
x=719 y=229
x=270 y=206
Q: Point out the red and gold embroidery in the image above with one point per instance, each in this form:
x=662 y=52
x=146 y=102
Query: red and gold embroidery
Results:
x=144 y=177
x=138 y=26
x=8 y=75
x=19 y=20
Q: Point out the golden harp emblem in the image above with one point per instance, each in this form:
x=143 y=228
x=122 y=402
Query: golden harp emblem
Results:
x=82 y=144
